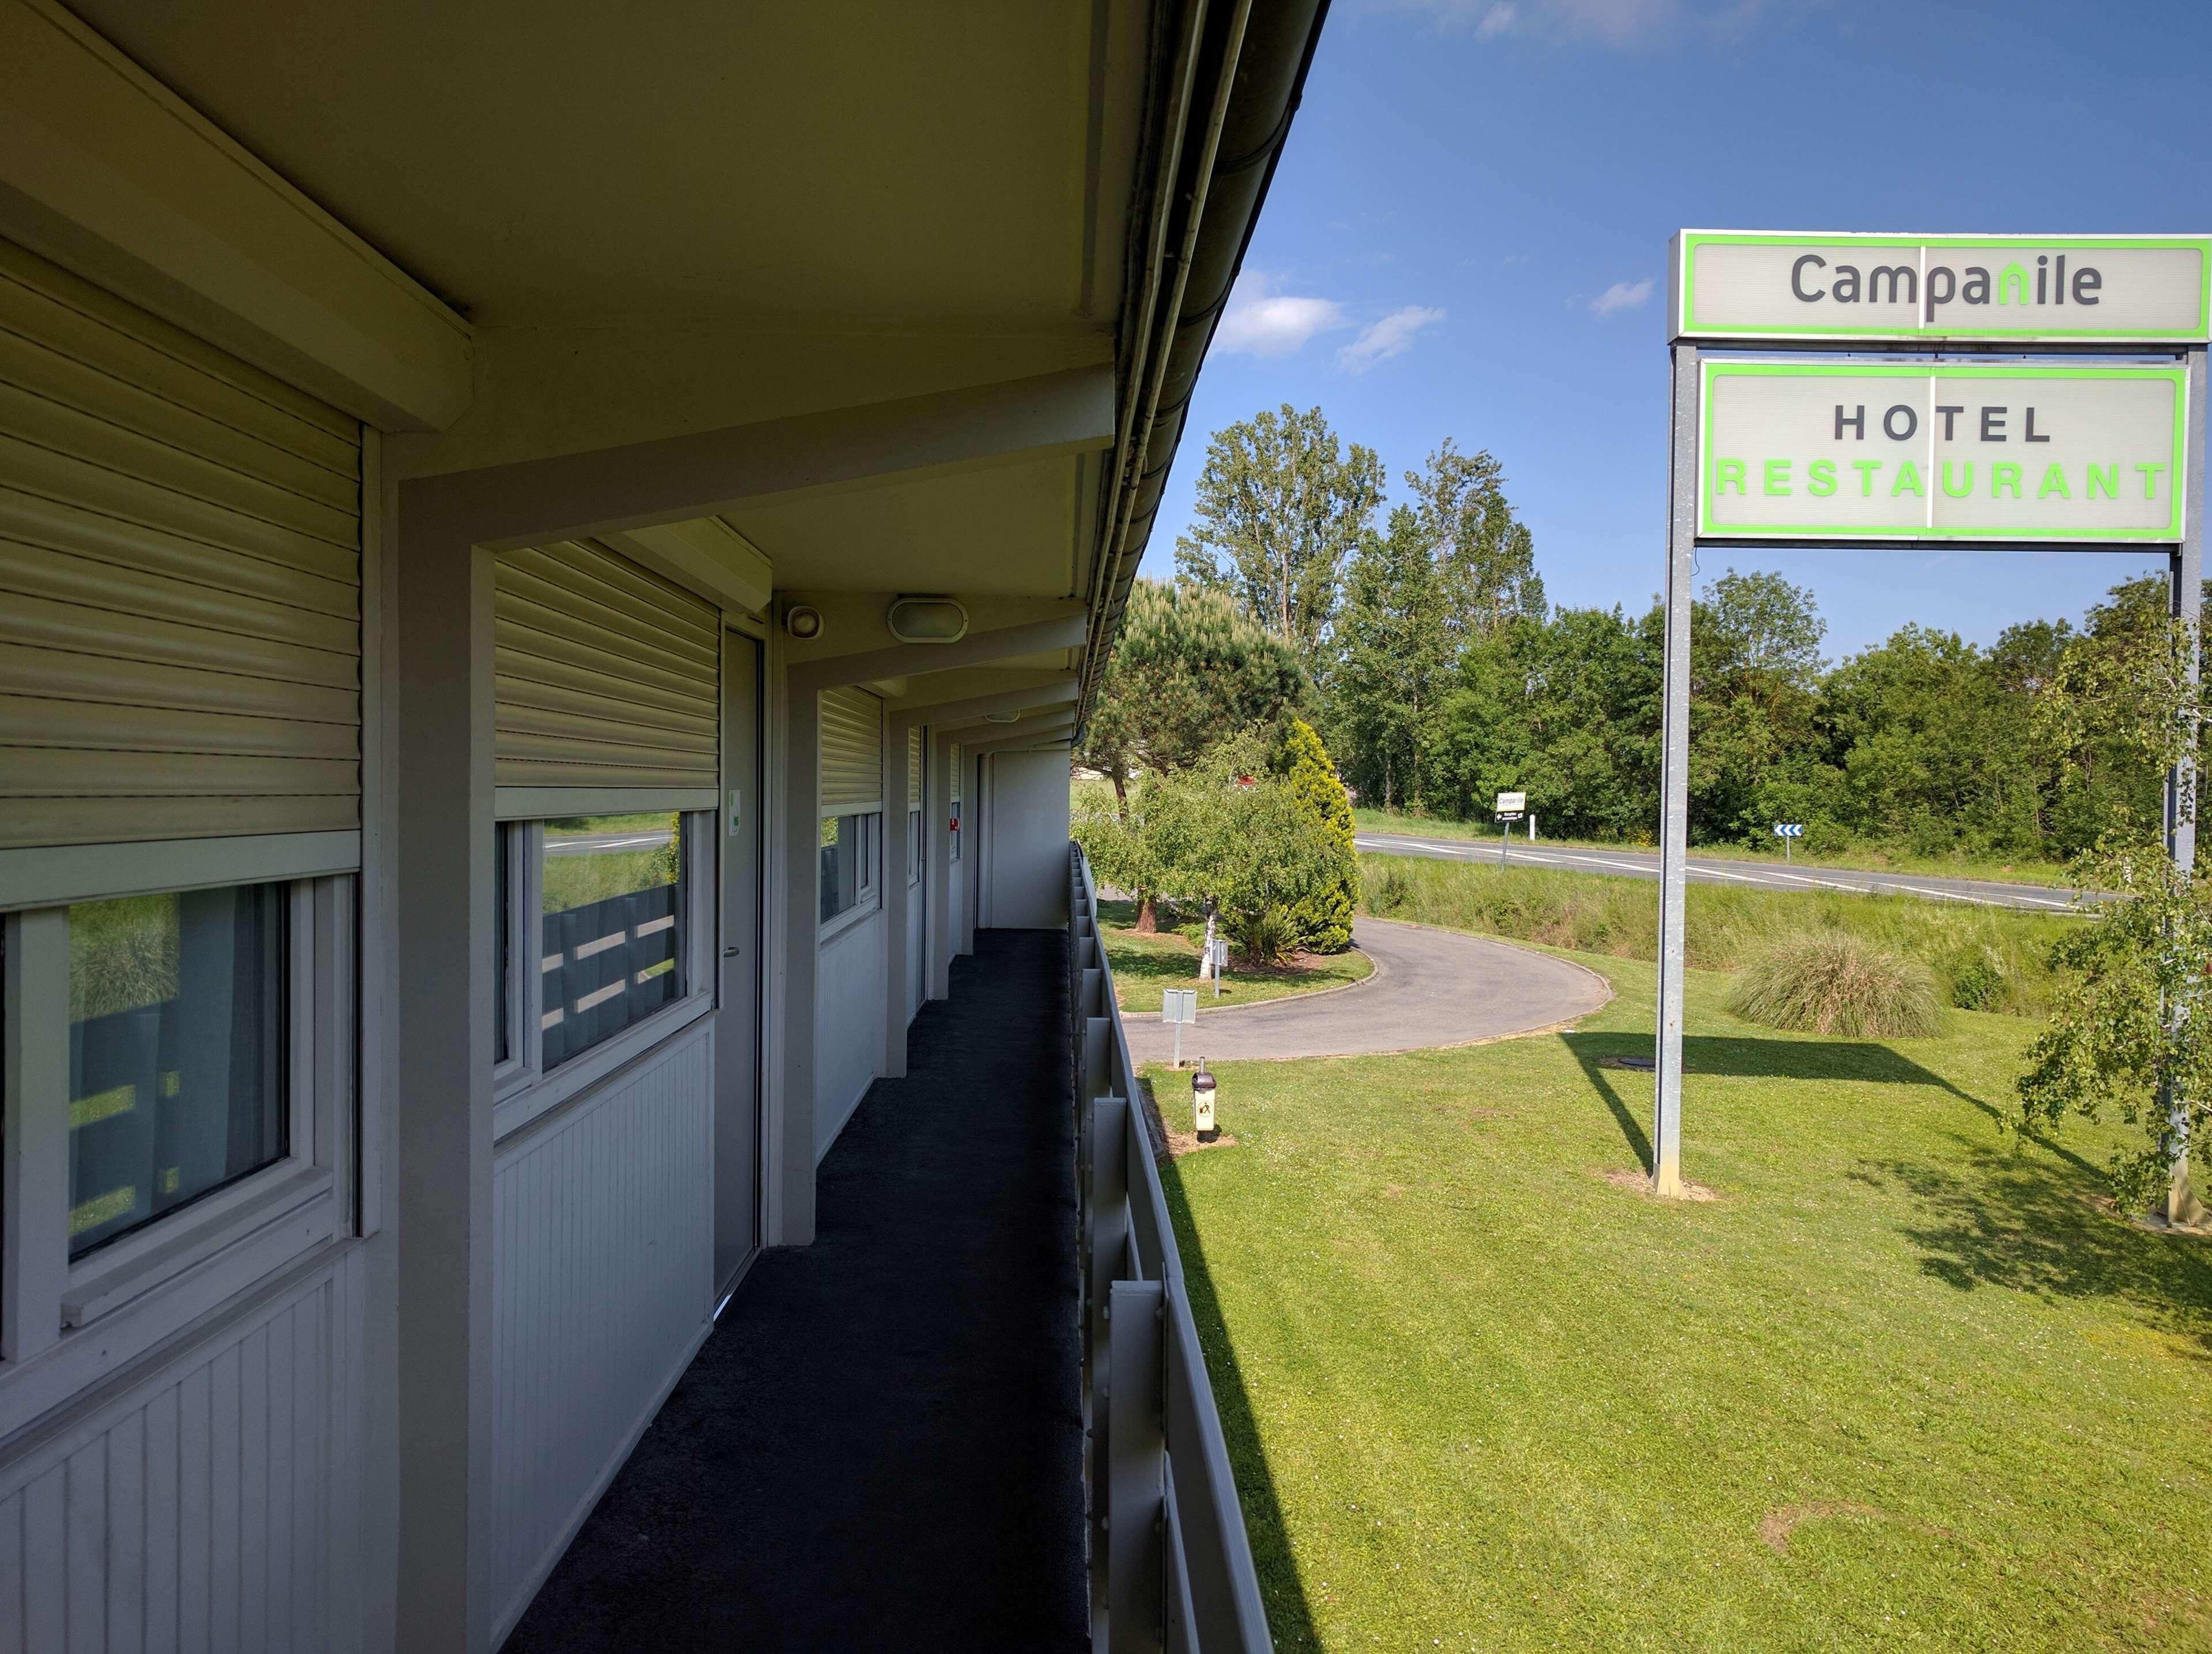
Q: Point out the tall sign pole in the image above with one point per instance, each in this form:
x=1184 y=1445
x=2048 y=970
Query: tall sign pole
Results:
x=2054 y=398
x=2188 y=590
x=1675 y=774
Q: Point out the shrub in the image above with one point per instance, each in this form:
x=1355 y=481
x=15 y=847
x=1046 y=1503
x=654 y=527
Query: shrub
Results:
x=1978 y=978
x=1323 y=920
x=1265 y=936
x=1831 y=981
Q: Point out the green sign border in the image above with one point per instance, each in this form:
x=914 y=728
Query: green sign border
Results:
x=1711 y=370
x=1686 y=325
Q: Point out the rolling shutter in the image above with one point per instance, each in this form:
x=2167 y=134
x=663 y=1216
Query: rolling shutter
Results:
x=852 y=752
x=913 y=769
x=607 y=676
x=954 y=755
x=180 y=581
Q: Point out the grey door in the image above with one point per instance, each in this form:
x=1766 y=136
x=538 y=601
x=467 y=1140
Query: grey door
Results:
x=736 y=1033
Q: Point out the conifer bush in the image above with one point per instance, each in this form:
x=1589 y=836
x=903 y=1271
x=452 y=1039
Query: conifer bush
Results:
x=1832 y=982
x=1323 y=921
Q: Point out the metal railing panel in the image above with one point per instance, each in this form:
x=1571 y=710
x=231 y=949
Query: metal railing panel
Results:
x=1172 y=1566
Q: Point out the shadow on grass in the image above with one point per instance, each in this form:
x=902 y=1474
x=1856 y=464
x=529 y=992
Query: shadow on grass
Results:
x=1290 y=1617
x=1994 y=1219
x=1750 y=1057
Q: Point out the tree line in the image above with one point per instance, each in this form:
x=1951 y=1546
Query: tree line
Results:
x=1417 y=638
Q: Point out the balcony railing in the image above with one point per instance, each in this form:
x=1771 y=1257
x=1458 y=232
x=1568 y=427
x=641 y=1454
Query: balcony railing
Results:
x=1170 y=1566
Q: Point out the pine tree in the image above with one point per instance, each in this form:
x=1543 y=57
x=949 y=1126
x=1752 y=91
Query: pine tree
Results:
x=1324 y=920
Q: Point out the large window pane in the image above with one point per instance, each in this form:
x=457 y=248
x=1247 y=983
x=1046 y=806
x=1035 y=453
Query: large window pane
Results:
x=613 y=906
x=177 y=1016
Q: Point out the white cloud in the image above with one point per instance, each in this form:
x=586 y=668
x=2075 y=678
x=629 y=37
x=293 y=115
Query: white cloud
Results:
x=1620 y=24
x=1622 y=295
x=1391 y=336
x=1261 y=322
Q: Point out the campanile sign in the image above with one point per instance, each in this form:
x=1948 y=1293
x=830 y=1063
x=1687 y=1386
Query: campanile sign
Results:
x=1989 y=392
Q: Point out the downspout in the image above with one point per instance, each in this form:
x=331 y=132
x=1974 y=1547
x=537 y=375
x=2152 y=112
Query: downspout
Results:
x=1255 y=61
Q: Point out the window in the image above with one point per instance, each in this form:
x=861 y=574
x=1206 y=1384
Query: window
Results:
x=914 y=842
x=179 y=1094
x=848 y=864
x=611 y=904
x=616 y=912
x=955 y=823
x=177 y=1051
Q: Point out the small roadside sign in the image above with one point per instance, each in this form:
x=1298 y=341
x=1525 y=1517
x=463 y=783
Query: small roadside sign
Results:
x=1514 y=804
x=1180 y=1007
x=1786 y=830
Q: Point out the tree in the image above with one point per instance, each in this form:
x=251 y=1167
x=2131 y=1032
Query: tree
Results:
x=1486 y=554
x=1187 y=668
x=1283 y=504
x=1324 y=919
x=2131 y=1029
x=1395 y=642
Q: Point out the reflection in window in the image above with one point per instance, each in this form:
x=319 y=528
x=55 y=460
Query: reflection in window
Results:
x=614 y=930
x=849 y=862
x=914 y=846
x=613 y=927
x=177 y=1051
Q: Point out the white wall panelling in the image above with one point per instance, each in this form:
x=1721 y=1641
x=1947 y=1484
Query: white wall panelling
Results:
x=602 y=1292
x=848 y=1003
x=206 y=1504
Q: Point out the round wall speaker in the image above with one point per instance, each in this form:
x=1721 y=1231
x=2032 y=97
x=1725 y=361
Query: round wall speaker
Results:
x=802 y=623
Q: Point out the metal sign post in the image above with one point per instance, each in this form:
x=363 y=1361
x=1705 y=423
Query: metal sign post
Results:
x=1179 y=1006
x=2080 y=455
x=1786 y=830
x=1508 y=810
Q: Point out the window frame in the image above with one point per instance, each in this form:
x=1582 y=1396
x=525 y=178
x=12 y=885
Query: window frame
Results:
x=917 y=844
x=66 y=1324
x=523 y=1088
x=867 y=863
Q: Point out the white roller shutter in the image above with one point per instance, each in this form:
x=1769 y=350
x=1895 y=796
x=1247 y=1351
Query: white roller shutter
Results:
x=852 y=752
x=180 y=581
x=954 y=757
x=607 y=675
x=913 y=769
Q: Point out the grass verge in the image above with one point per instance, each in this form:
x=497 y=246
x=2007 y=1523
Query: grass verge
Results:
x=1146 y=965
x=1984 y=958
x=1904 y=1385
x=1869 y=859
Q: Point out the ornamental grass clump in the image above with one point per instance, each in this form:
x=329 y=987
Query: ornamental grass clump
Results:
x=1832 y=982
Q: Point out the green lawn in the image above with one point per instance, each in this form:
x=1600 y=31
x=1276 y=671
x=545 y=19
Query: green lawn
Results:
x=1146 y=965
x=1904 y=1385
x=1872 y=858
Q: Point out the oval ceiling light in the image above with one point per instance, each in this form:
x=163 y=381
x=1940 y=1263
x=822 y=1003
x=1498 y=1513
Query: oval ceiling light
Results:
x=926 y=620
x=802 y=623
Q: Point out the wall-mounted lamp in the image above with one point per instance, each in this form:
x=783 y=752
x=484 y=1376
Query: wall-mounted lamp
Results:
x=802 y=623
x=926 y=620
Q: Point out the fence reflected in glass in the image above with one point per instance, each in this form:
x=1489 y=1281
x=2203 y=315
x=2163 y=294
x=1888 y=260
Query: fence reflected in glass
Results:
x=177 y=1051
x=612 y=910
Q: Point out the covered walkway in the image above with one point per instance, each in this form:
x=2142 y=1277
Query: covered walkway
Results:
x=880 y=1445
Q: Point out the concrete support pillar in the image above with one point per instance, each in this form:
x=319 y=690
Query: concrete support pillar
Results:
x=792 y=1141
x=443 y=1183
x=937 y=817
x=898 y=732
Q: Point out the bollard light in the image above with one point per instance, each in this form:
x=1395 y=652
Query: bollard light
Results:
x=1201 y=1102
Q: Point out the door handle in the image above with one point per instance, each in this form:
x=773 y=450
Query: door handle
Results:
x=730 y=953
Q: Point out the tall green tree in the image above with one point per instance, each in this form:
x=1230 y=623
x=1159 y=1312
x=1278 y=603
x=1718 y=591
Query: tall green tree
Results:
x=1188 y=669
x=1394 y=641
x=1282 y=503
x=1484 y=552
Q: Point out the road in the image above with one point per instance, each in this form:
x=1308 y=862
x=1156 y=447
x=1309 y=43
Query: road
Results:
x=1430 y=988
x=1645 y=864
x=593 y=844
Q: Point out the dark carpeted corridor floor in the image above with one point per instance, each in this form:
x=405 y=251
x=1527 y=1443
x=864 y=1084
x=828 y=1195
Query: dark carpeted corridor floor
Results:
x=879 y=1447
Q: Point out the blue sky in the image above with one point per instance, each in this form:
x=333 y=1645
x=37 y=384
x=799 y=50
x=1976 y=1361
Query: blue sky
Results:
x=1467 y=237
